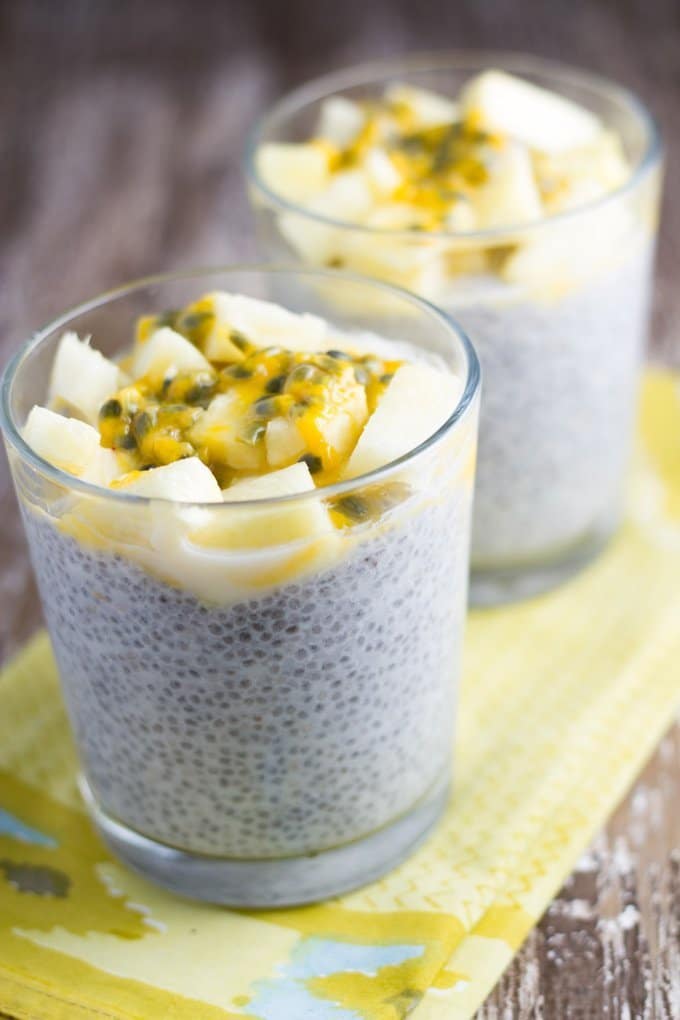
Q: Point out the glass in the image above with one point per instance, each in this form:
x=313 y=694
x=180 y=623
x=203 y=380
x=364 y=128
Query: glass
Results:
x=259 y=722
x=559 y=334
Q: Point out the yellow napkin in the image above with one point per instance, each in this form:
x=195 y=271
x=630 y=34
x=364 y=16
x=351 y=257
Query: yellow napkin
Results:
x=564 y=698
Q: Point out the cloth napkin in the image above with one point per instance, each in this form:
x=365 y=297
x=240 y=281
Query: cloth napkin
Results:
x=564 y=697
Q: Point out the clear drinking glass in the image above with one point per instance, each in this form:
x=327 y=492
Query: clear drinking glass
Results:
x=258 y=723
x=560 y=337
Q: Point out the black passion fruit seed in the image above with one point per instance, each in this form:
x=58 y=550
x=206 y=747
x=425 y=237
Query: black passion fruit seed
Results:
x=141 y=424
x=239 y=340
x=111 y=409
x=266 y=407
x=276 y=384
x=200 y=392
x=125 y=441
x=304 y=373
x=237 y=372
x=313 y=462
x=339 y=355
x=354 y=508
x=255 y=433
x=195 y=320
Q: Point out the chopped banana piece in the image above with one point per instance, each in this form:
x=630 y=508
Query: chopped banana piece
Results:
x=418 y=400
x=283 y=441
x=67 y=443
x=168 y=352
x=82 y=378
x=268 y=323
x=543 y=120
x=348 y=197
x=556 y=259
x=340 y=121
x=220 y=433
x=382 y=173
x=269 y=525
x=294 y=171
x=510 y=196
x=425 y=109
x=185 y=481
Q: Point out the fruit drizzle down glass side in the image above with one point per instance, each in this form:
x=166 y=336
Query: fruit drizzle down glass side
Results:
x=156 y=419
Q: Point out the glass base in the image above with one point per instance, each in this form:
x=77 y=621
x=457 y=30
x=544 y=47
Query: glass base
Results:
x=281 y=882
x=494 y=586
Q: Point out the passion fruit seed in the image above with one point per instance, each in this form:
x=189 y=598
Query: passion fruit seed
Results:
x=193 y=321
x=255 y=433
x=240 y=341
x=339 y=355
x=313 y=462
x=142 y=423
x=304 y=373
x=125 y=441
x=200 y=392
x=111 y=409
x=355 y=508
x=266 y=407
x=276 y=384
x=237 y=372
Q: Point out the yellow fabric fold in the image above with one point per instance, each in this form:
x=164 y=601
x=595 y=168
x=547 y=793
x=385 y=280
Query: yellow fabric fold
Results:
x=564 y=698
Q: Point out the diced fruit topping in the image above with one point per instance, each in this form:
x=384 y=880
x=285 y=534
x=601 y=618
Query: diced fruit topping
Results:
x=418 y=400
x=185 y=481
x=540 y=119
x=297 y=171
x=504 y=153
x=71 y=445
x=417 y=109
x=267 y=525
x=236 y=397
x=340 y=121
x=82 y=378
x=167 y=353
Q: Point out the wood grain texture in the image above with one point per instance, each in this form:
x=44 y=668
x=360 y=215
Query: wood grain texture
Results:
x=122 y=128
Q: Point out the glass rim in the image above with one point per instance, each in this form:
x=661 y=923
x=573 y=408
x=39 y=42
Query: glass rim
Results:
x=12 y=431
x=375 y=71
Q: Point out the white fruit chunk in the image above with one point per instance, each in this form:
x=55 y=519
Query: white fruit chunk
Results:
x=219 y=346
x=268 y=324
x=70 y=445
x=340 y=121
x=382 y=173
x=556 y=259
x=82 y=378
x=417 y=401
x=185 y=481
x=573 y=178
x=167 y=351
x=296 y=171
x=511 y=195
x=219 y=432
x=274 y=525
x=348 y=199
x=499 y=102
x=428 y=109
x=283 y=442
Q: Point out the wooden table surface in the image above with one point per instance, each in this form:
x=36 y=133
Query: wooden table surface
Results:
x=121 y=129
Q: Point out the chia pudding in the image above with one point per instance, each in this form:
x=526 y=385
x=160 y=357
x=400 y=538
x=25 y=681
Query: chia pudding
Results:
x=523 y=200
x=550 y=474
x=272 y=675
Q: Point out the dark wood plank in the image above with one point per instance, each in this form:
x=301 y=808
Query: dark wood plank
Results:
x=122 y=127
